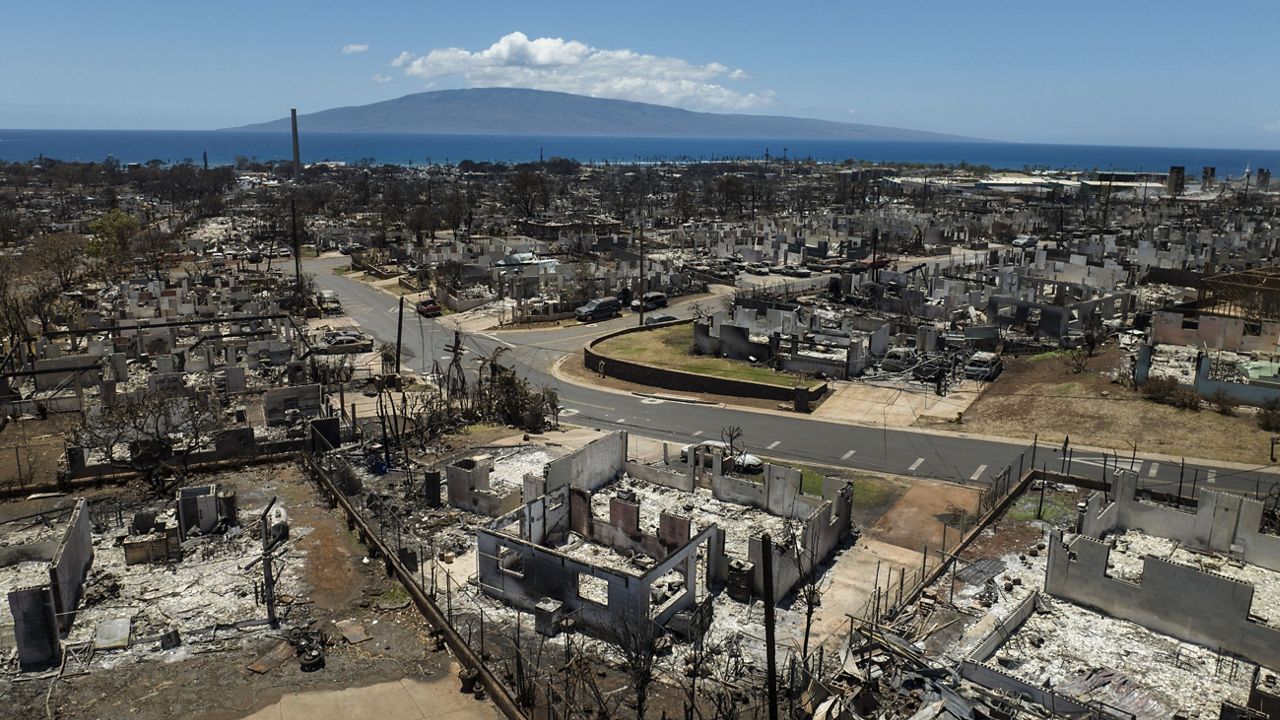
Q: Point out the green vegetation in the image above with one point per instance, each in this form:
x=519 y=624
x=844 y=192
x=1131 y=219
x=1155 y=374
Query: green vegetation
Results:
x=671 y=348
x=1168 y=391
x=1044 y=356
x=393 y=595
x=1059 y=508
x=342 y=270
x=869 y=491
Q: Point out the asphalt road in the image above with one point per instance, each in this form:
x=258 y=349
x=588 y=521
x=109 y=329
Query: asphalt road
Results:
x=787 y=437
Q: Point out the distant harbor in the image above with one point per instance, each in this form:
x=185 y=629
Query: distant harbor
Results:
x=224 y=147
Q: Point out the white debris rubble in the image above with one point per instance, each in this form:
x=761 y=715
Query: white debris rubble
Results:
x=1026 y=574
x=510 y=468
x=1069 y=641
x=212 y=585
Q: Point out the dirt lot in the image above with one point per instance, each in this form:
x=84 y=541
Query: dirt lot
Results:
x=209 y=680
x=31 y=450
x=1040 y=394
x=911 y=404
x=916 y=519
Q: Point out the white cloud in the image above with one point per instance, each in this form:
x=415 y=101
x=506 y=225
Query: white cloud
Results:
x=575 y=67
x=380 y=78
x=354 y=48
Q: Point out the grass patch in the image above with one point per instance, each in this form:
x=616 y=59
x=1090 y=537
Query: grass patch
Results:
x=1059 y=509
x=478 y=427
x=1044 y=356
x=868 y=490
x=1069 y=388
x=671 y=348
x=342 y=270
x=871 y=492
x=393 y=595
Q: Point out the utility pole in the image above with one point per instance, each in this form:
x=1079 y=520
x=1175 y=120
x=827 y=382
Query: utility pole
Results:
x=771 y=663
x=643 y=285
x=297 y=159
x=268 y=572
x=297 y=250
x=399 y=333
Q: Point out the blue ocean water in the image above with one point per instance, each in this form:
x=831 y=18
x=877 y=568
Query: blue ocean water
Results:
x=223 y=147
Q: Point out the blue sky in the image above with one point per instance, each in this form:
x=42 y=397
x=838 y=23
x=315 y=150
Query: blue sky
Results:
x=1129 y=73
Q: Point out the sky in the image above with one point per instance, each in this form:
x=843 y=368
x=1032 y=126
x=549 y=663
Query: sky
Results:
x=1169 y=73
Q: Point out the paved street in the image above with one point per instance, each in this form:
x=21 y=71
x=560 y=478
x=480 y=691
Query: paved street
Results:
x=784 y=436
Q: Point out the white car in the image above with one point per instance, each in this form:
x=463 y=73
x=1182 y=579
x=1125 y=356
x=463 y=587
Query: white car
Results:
x=742 y=462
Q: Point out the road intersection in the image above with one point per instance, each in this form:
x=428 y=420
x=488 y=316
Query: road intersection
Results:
x=786 y=436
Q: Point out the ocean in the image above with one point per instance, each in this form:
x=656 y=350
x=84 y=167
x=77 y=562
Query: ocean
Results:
x=223 y=147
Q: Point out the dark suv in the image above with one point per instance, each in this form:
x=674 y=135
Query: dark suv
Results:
x=599 y=309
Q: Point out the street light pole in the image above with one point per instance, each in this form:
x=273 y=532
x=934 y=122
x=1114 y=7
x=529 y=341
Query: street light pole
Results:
x=642 y=284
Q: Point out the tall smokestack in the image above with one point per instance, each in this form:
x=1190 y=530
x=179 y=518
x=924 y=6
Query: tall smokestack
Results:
x=297 y=160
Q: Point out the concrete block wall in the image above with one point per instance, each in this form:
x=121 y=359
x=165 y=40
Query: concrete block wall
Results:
x=658 y=476
x=304 y=398
x=1244 y=393
x=35 y=627
x=622 y=531
x=1215 y=332
x=592 y=466
x=821 y=532
x=1184 y=602
x=988 y=646
x=777 y=492
x=545 y=573
x=1223 y=522
x=469 y=488
x=70 y=563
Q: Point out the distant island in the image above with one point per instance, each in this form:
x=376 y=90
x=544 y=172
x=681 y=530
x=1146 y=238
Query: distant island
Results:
x=513 y=111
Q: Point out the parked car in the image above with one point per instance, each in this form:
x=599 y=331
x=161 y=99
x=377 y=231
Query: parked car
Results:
x=898 y=359
x=757 y=269
x=599 y=309
x=430 y=308
x=983 y=366
x=742 y=462
x=329 y=302
x=1026 y=242
x=649 y=301
x=657 y=318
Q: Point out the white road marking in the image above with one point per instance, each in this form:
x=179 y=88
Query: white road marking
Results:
x=652 y=401
x=773 y=444
x=848 y=455
x=495 y=339
x=1155 y=468
x=1210 y=475
x=569 y=412
x=698 y=434
x=916 y=464
x=598 y=407
x=976 y=473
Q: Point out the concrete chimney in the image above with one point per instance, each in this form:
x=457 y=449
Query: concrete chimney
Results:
x=297 y=160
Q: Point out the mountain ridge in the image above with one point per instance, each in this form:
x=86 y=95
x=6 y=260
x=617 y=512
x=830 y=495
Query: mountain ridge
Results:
x=519 y=111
